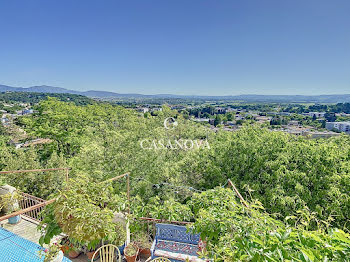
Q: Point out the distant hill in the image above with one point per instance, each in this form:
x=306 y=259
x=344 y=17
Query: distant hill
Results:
x=60 y=90
x=341 y=98
x=4 y=88
x=48 y=89
x=38 y=89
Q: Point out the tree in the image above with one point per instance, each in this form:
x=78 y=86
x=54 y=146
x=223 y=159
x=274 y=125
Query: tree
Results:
x=330 y=117
x=229 y=116
x=217 y=120
x=237 y=233
x=102 y=140
x=275 y=121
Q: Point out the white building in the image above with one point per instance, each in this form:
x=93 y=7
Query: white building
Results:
x=293 y=123
x=263 y=119
x=25 y=112
x=220 y=110
x=284 y=113
x=316 y=114
x=156 y=109
x=4 y=120
x=317 y=134
x=340 y=126
x=142 y=109
x=200 y=119
x=239 y=117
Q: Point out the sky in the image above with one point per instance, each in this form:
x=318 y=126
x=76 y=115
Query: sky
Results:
x=190 y=47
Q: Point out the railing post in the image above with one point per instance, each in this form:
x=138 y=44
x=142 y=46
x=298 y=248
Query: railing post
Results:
x=67 y=175
x=237 y=193
x=128 y=190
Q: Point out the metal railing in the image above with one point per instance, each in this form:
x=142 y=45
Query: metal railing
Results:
x=31 y=206
x=29 y=201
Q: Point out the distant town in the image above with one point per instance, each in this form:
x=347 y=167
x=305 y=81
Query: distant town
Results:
x=296 y=119
x=311 y=120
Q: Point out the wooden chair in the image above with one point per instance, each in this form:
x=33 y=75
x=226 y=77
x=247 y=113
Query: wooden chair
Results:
x=160 y=259
x=108 y=253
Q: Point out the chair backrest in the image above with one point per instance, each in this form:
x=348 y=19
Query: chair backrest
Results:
x=161 y=259
x=176 y=233
x=108 y=253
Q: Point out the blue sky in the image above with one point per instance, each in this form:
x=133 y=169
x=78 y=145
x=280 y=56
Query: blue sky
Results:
x=206 y=47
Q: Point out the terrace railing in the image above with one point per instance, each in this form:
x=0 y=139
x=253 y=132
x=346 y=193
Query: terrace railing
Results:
x=31 y=206
x=29 y=202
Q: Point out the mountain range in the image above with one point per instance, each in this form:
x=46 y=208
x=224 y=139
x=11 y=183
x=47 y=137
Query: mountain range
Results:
x=337 y=98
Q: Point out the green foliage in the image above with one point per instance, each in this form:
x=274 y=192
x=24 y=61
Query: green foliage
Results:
x=10 y=202
x=40 y=184
x=217 y=120
x=307 y=181
x=169 y=210
x=286 y=173
x=236 y=233
x=131 y=250
x=50 y=253
x=48 y=226
x=33 y=98
x=81 y=212
x=142 y=239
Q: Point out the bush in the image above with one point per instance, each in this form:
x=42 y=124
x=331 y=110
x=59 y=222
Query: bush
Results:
x=236 y=233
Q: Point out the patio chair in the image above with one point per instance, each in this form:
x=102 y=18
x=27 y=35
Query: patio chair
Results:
x=108 y=253
x=160 y=259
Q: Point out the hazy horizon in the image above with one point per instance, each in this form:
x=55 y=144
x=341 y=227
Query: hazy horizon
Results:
x=176 y=94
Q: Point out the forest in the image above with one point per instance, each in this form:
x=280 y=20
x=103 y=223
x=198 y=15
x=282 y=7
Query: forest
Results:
x=34 y=98
x=297 y=189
